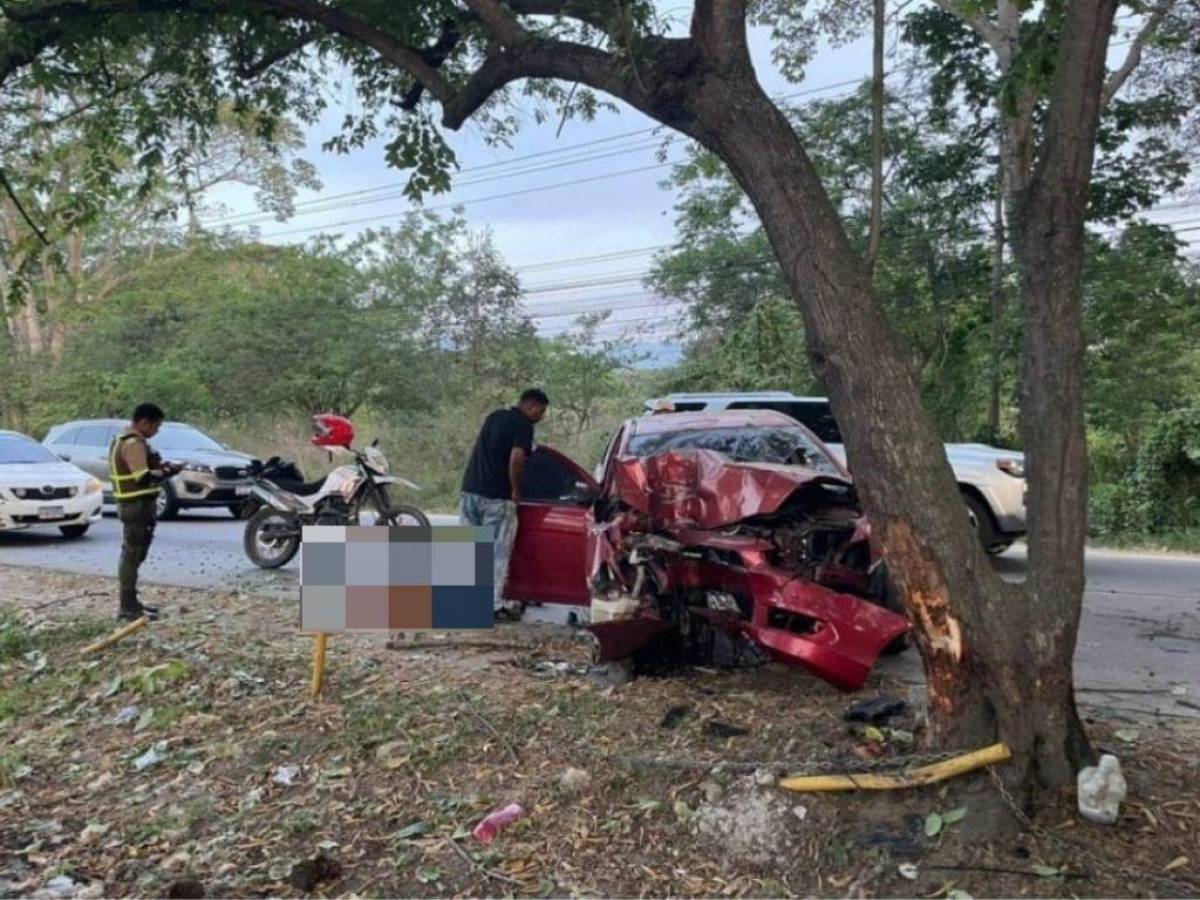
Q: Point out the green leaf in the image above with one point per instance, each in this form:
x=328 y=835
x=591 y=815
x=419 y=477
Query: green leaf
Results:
x=648 y=805
x=414 y=829
x=1128 y=735
x=954 y=815
x=933 y=825
x=871 y=733
x=427 y=874
x=144 y=720
x=1046 y=871
x=113 y=686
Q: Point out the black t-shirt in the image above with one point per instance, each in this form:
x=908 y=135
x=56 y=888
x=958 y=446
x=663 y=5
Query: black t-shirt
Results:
x=487 y=470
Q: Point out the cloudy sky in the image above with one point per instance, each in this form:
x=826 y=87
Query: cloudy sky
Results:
x=551 y=199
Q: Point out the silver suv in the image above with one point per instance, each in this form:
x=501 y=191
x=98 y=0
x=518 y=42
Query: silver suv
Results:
x=992 y=481
x=213 y=475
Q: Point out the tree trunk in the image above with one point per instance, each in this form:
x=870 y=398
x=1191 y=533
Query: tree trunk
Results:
x=997 y=313
x=876 y=233
x=1048 y=244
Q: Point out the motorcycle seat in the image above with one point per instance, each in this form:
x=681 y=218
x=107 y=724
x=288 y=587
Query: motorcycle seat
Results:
x=300 y=488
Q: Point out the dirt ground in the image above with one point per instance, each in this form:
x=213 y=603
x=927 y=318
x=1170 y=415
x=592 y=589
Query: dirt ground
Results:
x=188 y=760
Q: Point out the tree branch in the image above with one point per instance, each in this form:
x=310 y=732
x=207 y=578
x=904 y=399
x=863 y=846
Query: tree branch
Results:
x=499 y=22
x=12 y=195
x=1134 y=57
x=250 y=71
x=980 y=23
x=719 y=28
x=580 y=10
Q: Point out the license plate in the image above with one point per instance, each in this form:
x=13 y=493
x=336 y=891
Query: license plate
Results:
x=241 y=492
x=50 y=512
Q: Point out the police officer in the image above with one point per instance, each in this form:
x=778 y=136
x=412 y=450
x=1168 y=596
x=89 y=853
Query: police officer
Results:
x=137 y=474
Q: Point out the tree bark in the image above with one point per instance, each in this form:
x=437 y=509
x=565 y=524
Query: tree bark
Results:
x=995 y=352
x=876 y=232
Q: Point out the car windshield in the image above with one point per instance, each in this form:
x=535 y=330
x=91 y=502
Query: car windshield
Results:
x=15 y=449
x=183 y=437
x=748 y=444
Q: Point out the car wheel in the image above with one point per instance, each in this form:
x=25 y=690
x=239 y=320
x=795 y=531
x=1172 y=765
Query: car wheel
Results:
x=166 y=504
x=71 y=532
x=980 y=518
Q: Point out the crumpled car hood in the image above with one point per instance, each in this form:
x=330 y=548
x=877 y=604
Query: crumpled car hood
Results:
x=705 y=489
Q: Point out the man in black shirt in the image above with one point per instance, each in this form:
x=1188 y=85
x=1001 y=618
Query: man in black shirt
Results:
x=491 y=485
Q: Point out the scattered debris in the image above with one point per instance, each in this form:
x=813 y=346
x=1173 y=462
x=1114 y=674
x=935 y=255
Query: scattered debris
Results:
x=496 y=821
x=876 y=711
x=151 y=757
x=286 y=775
x=125 y=715
x=714 y=729
x=674 y=716
x=908 y=870
x=574 y=781
x=1101 y=789
x=747 y=822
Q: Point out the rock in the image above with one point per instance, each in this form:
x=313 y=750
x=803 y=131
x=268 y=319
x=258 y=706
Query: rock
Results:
x=186 y=889
x=764 y=777
x=800 y=811
x=574 y=781
x=306 y=875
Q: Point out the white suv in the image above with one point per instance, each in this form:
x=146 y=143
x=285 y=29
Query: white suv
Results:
x=992 y=481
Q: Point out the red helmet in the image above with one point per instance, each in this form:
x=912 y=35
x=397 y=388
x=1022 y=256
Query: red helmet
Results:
x=331 y=430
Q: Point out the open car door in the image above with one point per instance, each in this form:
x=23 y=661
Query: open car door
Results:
x=550 y=556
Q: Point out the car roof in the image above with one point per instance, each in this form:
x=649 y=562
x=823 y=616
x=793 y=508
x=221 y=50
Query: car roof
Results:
x=705 y=419
x=5 y=431
x=741 y=395
x=74 y=422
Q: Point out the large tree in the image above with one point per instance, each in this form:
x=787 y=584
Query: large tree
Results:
x=997 y=657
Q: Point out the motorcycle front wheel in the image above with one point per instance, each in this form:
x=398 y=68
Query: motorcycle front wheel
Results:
x=272 y=538
x=400 y=514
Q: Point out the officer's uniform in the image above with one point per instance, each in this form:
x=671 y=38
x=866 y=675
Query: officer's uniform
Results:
x=137 y=476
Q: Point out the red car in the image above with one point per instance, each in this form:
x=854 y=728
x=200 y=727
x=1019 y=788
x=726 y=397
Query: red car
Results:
x=728 y=534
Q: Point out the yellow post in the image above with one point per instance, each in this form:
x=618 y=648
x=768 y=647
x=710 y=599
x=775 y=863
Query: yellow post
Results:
x=121 y=632
x=318 y=675
x=959 y=765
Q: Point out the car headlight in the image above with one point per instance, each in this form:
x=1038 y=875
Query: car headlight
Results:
x=92 y=486
x=197 y=467
x=1013 y=467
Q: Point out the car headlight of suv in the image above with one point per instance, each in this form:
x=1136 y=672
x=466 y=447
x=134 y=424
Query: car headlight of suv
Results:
x=197 y=467
x=92 y=486
x=1013 y=467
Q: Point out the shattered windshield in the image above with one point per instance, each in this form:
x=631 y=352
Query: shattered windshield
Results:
x=767 y=445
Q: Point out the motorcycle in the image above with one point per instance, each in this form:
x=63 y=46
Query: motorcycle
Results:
x=287 y=503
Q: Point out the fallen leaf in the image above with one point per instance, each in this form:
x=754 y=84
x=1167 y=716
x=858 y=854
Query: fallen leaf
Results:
x=1046 y=871
x=1128 y=735
x=871 y=733
x=958 y=894
x=1177 y=863
x=428 y=874
x=954 y=815
x=414 y=829
x=933 y=825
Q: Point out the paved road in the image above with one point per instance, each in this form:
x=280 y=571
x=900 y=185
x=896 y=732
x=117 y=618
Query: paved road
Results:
x=1139 y=646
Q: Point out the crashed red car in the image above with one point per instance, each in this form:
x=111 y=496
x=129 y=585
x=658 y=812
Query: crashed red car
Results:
x=726 y=536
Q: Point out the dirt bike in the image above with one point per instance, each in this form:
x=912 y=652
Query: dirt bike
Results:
x=287 y=503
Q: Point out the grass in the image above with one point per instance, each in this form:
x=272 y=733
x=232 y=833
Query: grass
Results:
x=1171 y=542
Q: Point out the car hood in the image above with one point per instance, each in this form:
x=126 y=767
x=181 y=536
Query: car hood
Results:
x=58 y=474
x=704 y=489
x=954 y=452
x=206 y=457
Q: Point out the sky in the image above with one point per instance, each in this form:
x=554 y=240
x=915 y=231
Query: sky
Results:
x=595 y=189
x=552 y=200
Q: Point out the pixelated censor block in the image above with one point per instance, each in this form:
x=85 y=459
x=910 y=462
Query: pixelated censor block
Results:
x=399 y=578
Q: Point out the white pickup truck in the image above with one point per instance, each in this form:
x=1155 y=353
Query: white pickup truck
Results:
x=992 y=480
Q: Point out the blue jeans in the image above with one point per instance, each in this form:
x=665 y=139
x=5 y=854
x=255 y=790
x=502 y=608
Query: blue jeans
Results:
x=500 y=515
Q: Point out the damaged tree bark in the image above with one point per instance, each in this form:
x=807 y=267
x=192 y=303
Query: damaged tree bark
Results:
x=997 y=656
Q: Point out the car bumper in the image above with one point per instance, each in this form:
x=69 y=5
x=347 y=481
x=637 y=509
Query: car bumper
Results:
x=18 y=515
x=206 y=489
x=1006 y=497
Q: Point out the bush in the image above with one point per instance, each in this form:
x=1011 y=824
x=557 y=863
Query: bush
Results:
x=1108 y=509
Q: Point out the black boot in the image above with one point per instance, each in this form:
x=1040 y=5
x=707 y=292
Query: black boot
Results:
x=133 y=613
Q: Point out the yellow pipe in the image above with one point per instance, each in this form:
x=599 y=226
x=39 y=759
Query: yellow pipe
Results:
x=948 y=768
x=121 y=632
x=318 y=675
